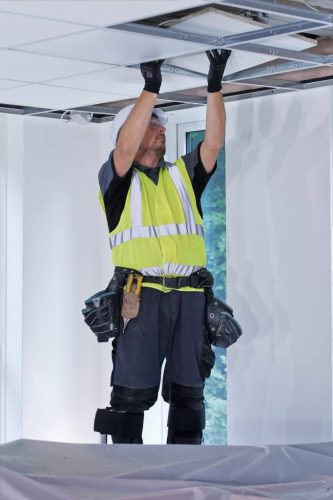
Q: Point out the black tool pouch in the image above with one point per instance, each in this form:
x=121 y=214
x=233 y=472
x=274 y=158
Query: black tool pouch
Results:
x=102 y=312
x=223 y=329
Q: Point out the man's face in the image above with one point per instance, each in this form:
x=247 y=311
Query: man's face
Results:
x=154 y=138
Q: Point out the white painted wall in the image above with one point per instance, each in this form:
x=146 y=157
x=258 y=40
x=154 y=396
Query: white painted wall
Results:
x=11 y=218
x=279 y=153
x=65 y=259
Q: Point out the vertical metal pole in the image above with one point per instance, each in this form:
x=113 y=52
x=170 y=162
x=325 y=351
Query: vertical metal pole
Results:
x=104 y=439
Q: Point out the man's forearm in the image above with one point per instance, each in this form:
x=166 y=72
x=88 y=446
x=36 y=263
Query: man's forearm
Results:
x=215 y=121
x=215 y=113
x=215 y=130
x=132 y=132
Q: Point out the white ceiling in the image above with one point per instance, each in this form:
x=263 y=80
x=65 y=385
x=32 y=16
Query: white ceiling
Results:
x=61 y=55
x=96 y=13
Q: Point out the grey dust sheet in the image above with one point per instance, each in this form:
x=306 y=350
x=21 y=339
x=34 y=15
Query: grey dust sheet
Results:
x=41 y=470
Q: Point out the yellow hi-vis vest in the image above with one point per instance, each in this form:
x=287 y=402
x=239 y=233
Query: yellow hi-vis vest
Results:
x=160 y=231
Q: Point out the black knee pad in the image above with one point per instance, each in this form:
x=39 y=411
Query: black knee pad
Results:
x=126 y=426
x=186 y=414
x=186 y=397
x=133 y=400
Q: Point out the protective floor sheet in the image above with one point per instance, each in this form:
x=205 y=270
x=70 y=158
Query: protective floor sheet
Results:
x=42 y=470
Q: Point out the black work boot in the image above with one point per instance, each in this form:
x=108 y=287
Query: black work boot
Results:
x=182 y=437
x=126 y=440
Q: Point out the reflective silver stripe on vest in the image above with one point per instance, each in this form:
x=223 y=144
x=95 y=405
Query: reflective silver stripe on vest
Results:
x=178 y=181
x=170 y=268
x=154 y=232
x=136 y=201
x=173 y=229
x=138 y=231
x=133 y=232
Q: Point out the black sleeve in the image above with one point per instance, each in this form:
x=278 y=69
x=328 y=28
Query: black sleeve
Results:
x=197 y=173
x=114 y=190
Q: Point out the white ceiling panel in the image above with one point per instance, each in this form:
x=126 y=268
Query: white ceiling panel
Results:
x=15 y=29
x=50 y=97
x=127 y=80
x=36 y=68
x=97 y=13
x=8 y=84
x=114 y=47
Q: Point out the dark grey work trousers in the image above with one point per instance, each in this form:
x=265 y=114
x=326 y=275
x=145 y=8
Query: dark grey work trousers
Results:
x=169 y=326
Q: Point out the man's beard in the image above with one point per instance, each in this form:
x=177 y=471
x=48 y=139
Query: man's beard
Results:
x=160 y=152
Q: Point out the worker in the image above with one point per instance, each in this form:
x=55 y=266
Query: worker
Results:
x=155 y=226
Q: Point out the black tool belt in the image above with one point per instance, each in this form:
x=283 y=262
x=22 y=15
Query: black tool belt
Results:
x=102 y=310
x=199 y=279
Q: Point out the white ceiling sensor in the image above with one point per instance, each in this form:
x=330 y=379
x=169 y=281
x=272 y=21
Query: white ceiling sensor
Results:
x=97 y=13
x=114 y=46
x=37 y=68
x=128 y=80
x=16 y=29
x=50 y=97
x=214 y=22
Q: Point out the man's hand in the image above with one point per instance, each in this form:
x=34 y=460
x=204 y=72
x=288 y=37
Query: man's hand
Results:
x=151 y=72
x=218 y=61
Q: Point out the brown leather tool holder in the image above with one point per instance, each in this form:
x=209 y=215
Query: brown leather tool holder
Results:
x=131 y=296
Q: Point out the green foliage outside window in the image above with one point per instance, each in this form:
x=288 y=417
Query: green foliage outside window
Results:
x=214 y=210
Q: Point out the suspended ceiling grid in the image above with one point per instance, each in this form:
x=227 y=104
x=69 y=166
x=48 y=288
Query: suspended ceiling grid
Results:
x=82 y=62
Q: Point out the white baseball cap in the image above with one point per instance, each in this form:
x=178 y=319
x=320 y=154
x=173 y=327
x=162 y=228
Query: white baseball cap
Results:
x=121 y=116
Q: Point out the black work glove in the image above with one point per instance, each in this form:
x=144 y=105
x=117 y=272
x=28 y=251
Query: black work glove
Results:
x=151 y=72
x=218 y=61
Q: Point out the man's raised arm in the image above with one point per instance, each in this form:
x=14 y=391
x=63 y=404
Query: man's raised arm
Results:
x=215 y=114
x=135 y=126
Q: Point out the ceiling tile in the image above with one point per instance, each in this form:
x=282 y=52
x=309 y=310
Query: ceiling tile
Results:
x=127 y=80
x=114 y=47
x=97 y=13
x=50 y=97
x=36 y=68
x=8 y=84
x=15 y=29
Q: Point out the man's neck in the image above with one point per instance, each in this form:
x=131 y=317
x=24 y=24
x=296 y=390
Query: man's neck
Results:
x=148 y=160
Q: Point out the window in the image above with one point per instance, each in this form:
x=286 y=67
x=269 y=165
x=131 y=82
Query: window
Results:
x=214 y=210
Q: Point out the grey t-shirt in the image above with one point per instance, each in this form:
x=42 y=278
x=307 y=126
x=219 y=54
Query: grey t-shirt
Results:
x=114 y=189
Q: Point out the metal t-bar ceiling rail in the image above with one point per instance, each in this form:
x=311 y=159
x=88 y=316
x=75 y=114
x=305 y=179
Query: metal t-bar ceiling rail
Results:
x=275 y=7
x=266 y=81
x=261 y=34
x=265 y=71
x=306 y=57
x=243 y=79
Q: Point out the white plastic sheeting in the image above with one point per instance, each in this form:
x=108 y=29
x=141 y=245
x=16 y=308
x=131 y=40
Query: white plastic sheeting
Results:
x=57 y=471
